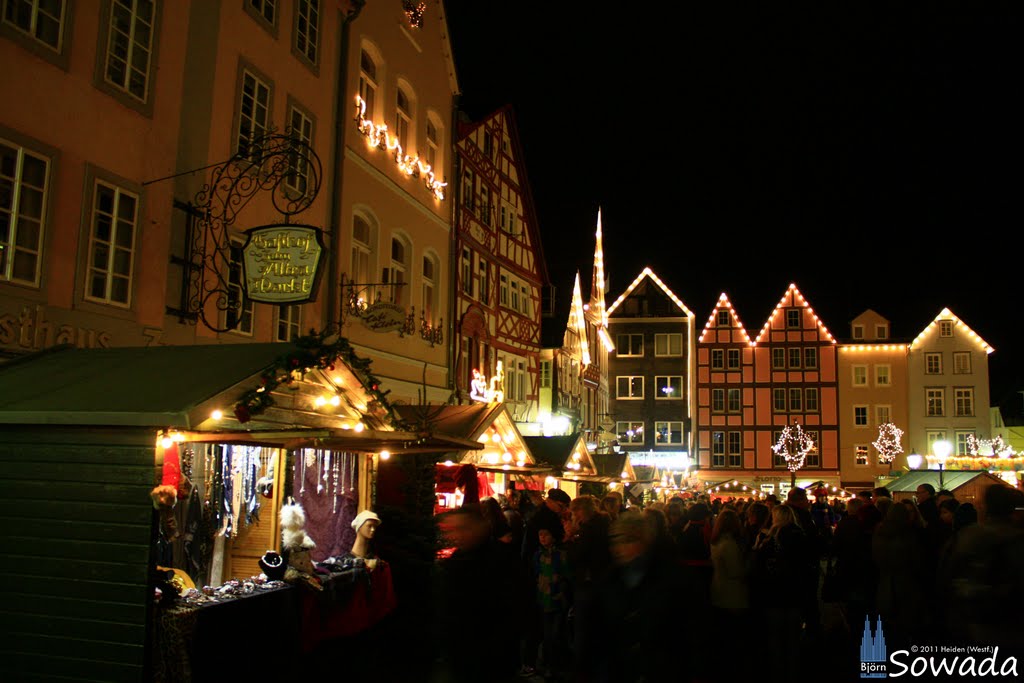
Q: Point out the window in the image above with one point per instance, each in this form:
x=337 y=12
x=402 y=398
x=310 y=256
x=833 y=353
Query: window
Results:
x=669 y=386
x=253 y=113
x=360 y=274
x=432 y=146
x=545 y=374
x=23 y=197
x=239 y=314
x=629 y=387
x=810 y=358
x=514 y=289
x=933 y=363
x=669 y=432
x=40 y=20
x=860 y=375
x=288 y=322
x=469 y=189
x=811 y=400
x=403 y=119
x=796 y=400
x=112 y=245
x=629 y=344
x=883 y=415
x=508 y=218
x=503 y=298
x=962 y=440
x=718 y=449
x=718 y=400
x=129 y=46
x=723 y=319
x=483 y=281
x=486 y=205
x=429 y=289
x=935 y=400
x=521 y=381
x=367 y=83
x=794 y=358
x=630 y=432
x=882 y=378
x=717 y=359
x=300 y=127
x=734 y=359
x=858 y=331
x=961 y=363
x=860 y=455
x=264 y=10
x=735 y=448
x=394 y=275
x=467 y=274
x=964 y=397
x=779 y=400
x=931 y=436
x=668 y=345
x=735 y=400
x=882 y=331
x=946 y=328
x=778 y=359
x=860 y=416
x=793 y=318
x=813 y=458
x=526 y=300
x=488 y=145
x=307 y=29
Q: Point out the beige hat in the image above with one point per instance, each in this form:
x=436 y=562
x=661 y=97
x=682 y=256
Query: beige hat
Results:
x=364 y=517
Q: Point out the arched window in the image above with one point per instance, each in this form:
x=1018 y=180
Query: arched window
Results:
x=403 y=117
x=396 y=273
x=430 y=288
x=368 y=82
x=362 y=266
x=433 y=154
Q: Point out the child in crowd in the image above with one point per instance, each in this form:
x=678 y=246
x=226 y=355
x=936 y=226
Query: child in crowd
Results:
x=551 y=570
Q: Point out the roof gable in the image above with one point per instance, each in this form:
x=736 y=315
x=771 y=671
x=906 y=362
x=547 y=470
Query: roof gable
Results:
x=649 y=274
x=792 y=298
x=946 y=314
x=734 y=318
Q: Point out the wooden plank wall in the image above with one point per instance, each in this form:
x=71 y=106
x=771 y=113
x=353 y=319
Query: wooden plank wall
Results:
x=76 y=525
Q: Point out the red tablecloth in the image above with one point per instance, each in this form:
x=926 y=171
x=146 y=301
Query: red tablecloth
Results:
x=363 y=604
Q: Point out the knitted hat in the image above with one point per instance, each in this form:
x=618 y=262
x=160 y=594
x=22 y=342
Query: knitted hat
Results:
x=559 y=496
x=364 y=517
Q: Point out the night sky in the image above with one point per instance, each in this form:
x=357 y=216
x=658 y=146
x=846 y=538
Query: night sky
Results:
x=868 y=153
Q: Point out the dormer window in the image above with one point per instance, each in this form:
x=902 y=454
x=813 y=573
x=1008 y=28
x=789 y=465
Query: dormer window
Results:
x=858 y=331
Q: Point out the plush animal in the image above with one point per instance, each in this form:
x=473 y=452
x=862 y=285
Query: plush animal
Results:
x=164 y=498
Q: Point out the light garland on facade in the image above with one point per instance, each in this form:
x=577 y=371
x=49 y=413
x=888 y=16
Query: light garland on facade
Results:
x=873 y=347
x=647 y=272
x=798 y=299
x=377 y=136
x=723 y=302
x=597 y=296
x=948 y=315
x=581 y=320
x=888 y=443
x=997 y=447
x=793 y=445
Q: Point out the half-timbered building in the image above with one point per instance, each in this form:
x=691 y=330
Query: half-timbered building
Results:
x=500 y=269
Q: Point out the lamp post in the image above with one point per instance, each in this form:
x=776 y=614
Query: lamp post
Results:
x=941 y=449
x=914 y=461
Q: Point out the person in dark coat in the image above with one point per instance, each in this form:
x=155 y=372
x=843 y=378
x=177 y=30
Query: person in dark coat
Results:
x=547 y=516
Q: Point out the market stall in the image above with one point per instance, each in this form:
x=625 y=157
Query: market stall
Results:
x=143 y=481
x=568 y=458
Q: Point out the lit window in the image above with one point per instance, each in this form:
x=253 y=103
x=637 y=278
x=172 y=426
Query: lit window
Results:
x=367 y=82
x=669 y=387
x=882 y=378
x=669 y=432
x=629 y=432
x=860 y=375
x=860 y=455
x=946 y=328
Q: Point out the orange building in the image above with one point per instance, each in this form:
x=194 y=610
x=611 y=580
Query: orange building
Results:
x=873 y=389
x=749 y=391
x=501 y=268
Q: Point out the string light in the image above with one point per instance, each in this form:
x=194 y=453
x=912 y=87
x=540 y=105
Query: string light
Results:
x=217 y=414
x=888 y=443
x=797 y=298
x=723 y=302
x=377 y=136
x=647 y=272
x=947 y=315
x=580 y=320
x=793 y=445
x=384 y=455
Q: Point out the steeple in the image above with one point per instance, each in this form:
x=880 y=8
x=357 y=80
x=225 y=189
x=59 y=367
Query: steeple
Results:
x=597 y=286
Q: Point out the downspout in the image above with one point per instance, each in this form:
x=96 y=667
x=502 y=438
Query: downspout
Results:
x=453 y=250
x=337 y=164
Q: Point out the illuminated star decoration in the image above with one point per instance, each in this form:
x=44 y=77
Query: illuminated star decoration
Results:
x=888 y=443
x=377 y=136
x=793 y=445
x=414 y=12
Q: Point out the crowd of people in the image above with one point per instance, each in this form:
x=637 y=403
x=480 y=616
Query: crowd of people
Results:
x=587 y=589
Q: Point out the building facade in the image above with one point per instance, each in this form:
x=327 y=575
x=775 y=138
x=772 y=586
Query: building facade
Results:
x=651 y=371
x=501 y=270
x=873 y=391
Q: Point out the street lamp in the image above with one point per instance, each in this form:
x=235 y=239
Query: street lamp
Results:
x=914 y=460
x=941 y=449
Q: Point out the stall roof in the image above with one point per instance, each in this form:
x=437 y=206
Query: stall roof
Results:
x=951 y=479
x=611 y=467
x=557 y=453
x=471 y=423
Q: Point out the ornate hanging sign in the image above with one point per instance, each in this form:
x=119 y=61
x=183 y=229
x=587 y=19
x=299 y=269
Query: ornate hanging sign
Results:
x=384 y=317
x=488 y=392
x=281 y=263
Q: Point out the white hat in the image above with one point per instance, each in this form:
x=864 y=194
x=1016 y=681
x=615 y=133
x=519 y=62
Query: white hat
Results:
x=364 y=517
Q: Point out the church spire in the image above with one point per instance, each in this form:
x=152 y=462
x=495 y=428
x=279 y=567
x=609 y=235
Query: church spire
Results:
x=597 y=285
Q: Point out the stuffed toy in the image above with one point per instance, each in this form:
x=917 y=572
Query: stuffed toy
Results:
x=164 y=498
x=297 y=544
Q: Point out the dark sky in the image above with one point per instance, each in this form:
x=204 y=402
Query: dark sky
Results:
x=870 y=153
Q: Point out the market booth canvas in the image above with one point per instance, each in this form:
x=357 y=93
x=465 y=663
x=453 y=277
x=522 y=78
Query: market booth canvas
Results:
x=96 y=443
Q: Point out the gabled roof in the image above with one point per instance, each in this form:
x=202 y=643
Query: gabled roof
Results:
x=648 y=273
x=798 y=299
x=566 y=454
x=946 y=314
x=480 y=422
x=723 y=301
